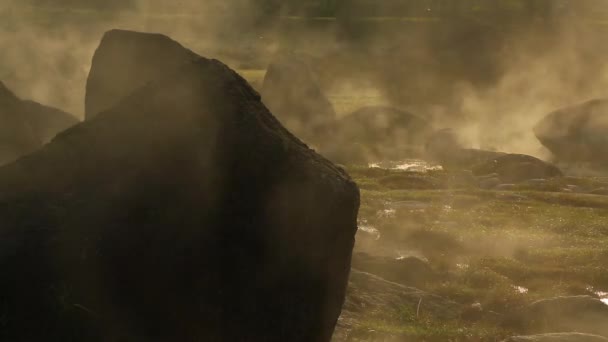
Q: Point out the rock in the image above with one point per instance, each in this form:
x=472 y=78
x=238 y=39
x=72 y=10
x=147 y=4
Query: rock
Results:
x=291 y=92
x=26 y=125
x=576 y=313
x=558 y=337
x=386 y=133
x=444 y=147
x=126 y=61
x=514 y=168
x=184 y=213
x=46 y=121
x=576 y=133
x=407 y=271
x=17 y=136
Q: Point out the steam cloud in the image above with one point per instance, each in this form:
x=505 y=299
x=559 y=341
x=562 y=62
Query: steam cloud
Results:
x=491 y=81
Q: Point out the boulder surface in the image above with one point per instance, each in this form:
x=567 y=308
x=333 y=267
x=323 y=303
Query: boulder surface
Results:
x=577 y=133
x=126 y=61
x=516 y=168
x=26 y=125
x=184 y=213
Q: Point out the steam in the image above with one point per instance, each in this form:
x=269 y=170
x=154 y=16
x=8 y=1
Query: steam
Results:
x=491 y=81
x=47 y=46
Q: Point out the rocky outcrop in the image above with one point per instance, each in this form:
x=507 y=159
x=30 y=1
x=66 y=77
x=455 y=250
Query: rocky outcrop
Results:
x=516 y=168
x=444 y=147
x=46 y=121
x=292 y=93
x=184 y=213
x=577 y=133
x=27 y=125
x=126 y=61
x=17 y=136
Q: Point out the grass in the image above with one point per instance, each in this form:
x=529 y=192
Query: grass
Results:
x=498 y=250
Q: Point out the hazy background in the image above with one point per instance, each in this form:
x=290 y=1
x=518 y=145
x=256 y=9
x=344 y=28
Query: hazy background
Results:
x=490 y=69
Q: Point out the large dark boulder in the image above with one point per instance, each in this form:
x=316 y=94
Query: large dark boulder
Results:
x=445 y=147
x=292 y=93
x=125 y=61
x=378 y=133
x=26 y=125
x=184 y=213
x=516 y=168
x=577 y=133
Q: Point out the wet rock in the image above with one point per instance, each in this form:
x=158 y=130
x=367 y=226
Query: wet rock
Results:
x=558 y=337
x=126 y=61
x=577 y=313
x=451 y=155
x=292 y=93
x=517 y=168
x=184 y=213
x=27 y=125
x=386 y=133
x=407 y=271
x=576 y=133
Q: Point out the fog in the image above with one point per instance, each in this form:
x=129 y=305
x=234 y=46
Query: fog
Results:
x=489 y=71
x=492 y=81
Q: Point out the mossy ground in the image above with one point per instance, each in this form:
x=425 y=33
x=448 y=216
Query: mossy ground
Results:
x=495 y=251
